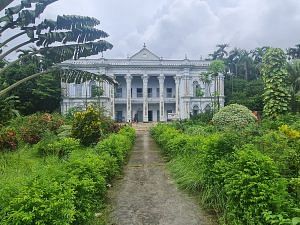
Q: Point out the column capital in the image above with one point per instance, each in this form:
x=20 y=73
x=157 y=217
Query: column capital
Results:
x=177 y=77
x=145 y=76
x=161 y=77
x=128 y=77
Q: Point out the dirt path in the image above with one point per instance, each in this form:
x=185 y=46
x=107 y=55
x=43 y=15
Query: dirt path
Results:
x=148 y=196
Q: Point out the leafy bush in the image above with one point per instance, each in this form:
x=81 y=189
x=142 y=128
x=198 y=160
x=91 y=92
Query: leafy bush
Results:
x=246 y=183
x=53 y=191
x=8 y=139
x=117 y=145
x=59 y=148
x=253 y=188
x=91 y=125
x=236 y=116
x=33 y=127
x=42 y=199
x=86 y=171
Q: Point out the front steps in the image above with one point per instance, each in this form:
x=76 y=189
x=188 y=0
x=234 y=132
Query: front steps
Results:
x=143 y=127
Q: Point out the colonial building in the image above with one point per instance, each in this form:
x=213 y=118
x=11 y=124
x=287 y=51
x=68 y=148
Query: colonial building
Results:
x=149 y=88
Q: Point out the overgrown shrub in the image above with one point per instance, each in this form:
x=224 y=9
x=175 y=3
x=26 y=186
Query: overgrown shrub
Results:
x=236 y=116
x=42 y=199
x=253 y=188
x=33 y=127
x=8 y=139
x=91 y=125
x=86 y=171
x=60 y=148
x=117 y=145
x=246 y=183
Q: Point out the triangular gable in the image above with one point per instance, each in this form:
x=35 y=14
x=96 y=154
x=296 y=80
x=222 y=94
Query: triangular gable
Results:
x=144 y=54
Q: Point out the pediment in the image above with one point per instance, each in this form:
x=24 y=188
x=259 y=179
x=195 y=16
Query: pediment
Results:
x=144 y=54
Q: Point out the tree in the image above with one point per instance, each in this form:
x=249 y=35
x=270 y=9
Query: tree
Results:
x=41 y=94
x=247 y=93
x=294 y=53
x=276 y=93
x=216 y=68
x=257 y=56
x=220 y=53
x=294 y=82
x=51 y=38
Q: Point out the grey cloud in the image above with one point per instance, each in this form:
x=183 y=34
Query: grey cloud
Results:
x=173 y=28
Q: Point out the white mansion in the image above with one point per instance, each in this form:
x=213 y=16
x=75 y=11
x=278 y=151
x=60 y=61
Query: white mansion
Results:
x=149 y=88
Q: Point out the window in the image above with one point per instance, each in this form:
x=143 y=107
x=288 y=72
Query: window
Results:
x=119 y=92
x=78 y=90
x=149 y=92
x=157 y=92
x=139 y=92
x=169 y=92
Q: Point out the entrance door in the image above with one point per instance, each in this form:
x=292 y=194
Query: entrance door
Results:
x=119 y=116
x=140 y=116
x=158 y=116
x=150 y=116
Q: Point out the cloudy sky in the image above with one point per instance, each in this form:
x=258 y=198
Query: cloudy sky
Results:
x=173 y=28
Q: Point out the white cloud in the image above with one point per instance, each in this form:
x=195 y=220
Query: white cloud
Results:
x=173 y=28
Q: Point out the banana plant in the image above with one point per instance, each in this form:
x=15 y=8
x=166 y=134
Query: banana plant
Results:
x=67 y=37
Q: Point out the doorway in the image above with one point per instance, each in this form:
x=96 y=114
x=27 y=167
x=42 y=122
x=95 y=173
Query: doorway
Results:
x=150 y=116
x=140 y=116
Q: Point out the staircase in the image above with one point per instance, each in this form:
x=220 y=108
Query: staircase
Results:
x=143 y=127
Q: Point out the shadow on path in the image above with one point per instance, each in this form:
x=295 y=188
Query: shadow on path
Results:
x=147 y=195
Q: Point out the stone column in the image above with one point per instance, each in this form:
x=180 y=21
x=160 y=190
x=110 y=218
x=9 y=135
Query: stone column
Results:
x=145 y=97
x=161 y=80
x=128 y=84
x=112 y=100
x=221 y=84
x=177 y=82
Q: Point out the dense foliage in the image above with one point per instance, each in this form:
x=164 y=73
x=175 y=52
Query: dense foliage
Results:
x=91 y=125
x=57 y=180
x=40 y=95
x=237 y=116
x=276 y=93
x=248 y=176
x=243 y=92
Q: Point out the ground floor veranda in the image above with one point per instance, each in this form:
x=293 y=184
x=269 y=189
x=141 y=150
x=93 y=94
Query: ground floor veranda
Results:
x=137 y=115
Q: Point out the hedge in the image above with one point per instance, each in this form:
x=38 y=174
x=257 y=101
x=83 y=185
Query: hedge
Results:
x=65 y=191
x=238 y=180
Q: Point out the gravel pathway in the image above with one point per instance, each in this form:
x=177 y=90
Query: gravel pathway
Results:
x=148 y=196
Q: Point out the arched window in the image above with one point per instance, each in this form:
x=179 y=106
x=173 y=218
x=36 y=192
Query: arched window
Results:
x=207 y=108
x=96 y=91
x=195 y=110
x=197 y=90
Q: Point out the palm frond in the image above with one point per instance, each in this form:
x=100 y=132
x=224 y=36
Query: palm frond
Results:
x=70 y=21
x=77 y=76
x=25 y=17
x=74 y=51
x=79 y=35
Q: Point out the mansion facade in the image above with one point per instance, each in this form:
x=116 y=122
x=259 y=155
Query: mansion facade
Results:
x=149 y=87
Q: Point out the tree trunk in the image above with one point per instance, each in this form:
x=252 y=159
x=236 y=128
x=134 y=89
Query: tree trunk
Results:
x=246 y=71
